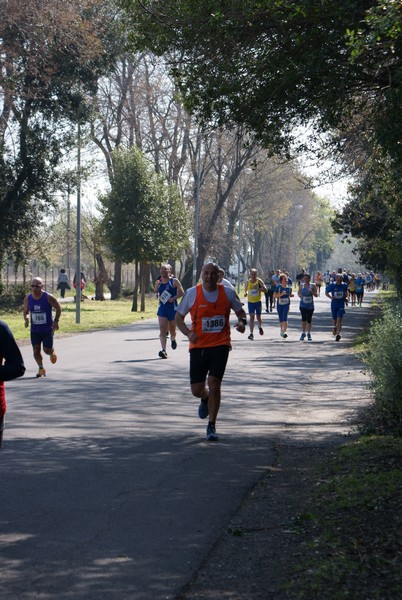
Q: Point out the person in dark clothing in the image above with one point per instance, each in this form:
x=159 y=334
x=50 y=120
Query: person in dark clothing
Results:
x=62 y=282
x=11 y=367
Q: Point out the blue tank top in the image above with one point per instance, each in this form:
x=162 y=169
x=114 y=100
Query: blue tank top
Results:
x=166 y=291
x=41 y=313
x=283 y=300
x=307 y=299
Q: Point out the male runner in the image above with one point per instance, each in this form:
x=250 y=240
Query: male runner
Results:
x=254 y=287
x=209 y=304
x=38 y=309
x=337 y=292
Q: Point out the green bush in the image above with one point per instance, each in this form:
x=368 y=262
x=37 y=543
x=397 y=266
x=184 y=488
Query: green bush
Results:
x=12 y=298
x=384 y=361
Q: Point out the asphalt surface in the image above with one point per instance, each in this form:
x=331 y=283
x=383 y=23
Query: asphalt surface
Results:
x=108 y=487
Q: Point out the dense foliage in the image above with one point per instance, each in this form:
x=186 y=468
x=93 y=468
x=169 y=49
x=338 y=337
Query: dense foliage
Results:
x=271 y=64
x=384 y=360
x=51 y=55
x=144 y=218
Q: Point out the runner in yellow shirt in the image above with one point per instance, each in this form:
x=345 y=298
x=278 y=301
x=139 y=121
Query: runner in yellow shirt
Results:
x=253 y=290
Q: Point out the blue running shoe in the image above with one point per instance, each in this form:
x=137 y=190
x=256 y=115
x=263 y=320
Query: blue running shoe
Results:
x=303 y=335
x=310 y=339
x=203 y=409
x=212 y=436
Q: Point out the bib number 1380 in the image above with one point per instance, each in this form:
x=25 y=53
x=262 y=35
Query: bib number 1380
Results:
x=213 y=324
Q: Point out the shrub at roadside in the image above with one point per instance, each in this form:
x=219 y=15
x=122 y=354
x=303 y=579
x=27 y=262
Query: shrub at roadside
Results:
x=384 y=361
x=12 y=298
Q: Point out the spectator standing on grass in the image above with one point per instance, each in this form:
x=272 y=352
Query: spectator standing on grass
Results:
x=337 y=292
x=38 y=311
x=209 y=304
x=11 y=367
x=63 y=283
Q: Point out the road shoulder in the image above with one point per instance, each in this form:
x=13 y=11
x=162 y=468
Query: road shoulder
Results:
x=255 y=556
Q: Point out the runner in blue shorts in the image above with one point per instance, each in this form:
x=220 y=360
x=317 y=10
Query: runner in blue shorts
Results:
x=253 y=290
x=38 y=312
x=283 y=294
x=337 y=292
x=169 y=289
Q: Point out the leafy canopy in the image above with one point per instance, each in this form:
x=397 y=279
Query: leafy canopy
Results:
x=144 y=218
x=273 y=64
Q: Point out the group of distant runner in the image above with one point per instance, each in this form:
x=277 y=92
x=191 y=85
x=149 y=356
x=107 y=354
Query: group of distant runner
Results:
x=209 y=304
x=340 y=287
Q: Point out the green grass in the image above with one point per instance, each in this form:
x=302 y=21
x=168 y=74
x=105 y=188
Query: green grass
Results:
x=94 y=315
x=352 y=540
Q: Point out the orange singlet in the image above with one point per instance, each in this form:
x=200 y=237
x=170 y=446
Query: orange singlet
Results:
x=210 y=320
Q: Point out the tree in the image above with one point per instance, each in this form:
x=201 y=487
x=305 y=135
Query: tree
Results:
x=51 y=55
x=373 y=216
x=273 y=64
x=144 y=218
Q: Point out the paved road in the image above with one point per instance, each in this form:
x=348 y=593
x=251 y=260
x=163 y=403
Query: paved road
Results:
x=108 y=489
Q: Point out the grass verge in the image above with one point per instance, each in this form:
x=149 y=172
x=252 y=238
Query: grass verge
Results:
x=94 y=315
x=350 y=532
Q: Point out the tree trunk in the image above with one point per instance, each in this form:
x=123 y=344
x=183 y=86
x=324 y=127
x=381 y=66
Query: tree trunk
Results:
x=101 y=279
x=115 y=288
x=134 y=307
x=143 y=271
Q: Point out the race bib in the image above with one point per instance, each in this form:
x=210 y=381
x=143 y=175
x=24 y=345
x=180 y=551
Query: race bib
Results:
x=164 y=297
x=213 y=324
x=283 y=300
x=254 y=292
x=338 y=294
x=38 y=318
x=307 y=299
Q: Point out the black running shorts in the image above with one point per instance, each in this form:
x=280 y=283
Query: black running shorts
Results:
x=208 y=361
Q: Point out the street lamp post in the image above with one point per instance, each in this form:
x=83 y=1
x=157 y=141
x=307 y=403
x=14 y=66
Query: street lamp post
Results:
x=239 y=249
x=78 y=257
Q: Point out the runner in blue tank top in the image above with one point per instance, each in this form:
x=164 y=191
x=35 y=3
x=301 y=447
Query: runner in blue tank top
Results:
x=283 y=294
x=307 y=292
x=169 y=289
x=359 y=288
x=337 y=292
x=38 y=310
